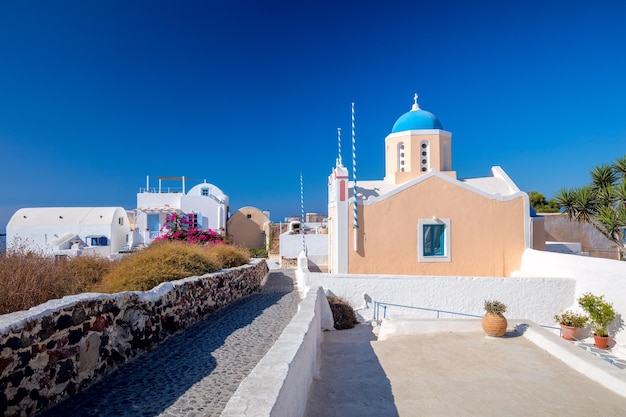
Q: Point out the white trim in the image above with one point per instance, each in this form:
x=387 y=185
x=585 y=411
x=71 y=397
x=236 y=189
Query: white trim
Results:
x=446 y=257
x=435 y=173
x=420 y=132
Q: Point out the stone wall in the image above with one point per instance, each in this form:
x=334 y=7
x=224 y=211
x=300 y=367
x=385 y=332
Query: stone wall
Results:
x=58 y=348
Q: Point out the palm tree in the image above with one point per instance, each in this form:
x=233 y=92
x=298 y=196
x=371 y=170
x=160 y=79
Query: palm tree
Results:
x=603 y=176
x=620 y=167
x=601 y=204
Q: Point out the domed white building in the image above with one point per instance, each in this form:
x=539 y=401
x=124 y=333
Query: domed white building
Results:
x=423 y=220
x=205 y=205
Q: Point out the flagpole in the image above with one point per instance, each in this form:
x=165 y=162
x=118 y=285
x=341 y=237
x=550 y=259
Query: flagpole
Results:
x=339 y=143
x=354 y=211
x=302 y=213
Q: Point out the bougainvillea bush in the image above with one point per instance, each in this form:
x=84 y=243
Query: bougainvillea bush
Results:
x=178 y=227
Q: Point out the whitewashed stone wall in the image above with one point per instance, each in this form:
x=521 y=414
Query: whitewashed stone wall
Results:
x=532 y=298
x=279 y=384
x=316 y=247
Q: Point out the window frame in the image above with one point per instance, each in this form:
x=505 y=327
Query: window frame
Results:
x=98 y=241
x=422 y=226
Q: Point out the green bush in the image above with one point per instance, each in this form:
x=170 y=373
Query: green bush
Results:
x=258 y=253
x=343 y=314
x=601 y=313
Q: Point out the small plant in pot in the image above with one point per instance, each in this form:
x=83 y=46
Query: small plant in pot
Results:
x=494 y=323
x=601 y=315
x=570 y=322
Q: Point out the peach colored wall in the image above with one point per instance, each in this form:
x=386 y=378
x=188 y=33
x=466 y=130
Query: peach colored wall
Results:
x=247 y=232
x=487 y=236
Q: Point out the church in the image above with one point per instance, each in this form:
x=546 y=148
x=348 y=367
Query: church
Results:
x=421 y=219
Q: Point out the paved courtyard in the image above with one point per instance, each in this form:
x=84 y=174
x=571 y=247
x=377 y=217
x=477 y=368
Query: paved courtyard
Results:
x=450 y=374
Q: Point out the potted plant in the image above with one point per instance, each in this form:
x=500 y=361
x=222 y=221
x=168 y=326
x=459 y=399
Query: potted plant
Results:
x=570 y=322
x=601 y=315
x=494 y=323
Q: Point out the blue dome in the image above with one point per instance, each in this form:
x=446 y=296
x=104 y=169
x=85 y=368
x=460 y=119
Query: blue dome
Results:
x=416 y=120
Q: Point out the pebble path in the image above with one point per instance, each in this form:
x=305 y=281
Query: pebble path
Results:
x=195 y=372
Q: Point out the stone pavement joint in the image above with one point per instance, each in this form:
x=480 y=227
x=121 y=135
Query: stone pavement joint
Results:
x=195 y=372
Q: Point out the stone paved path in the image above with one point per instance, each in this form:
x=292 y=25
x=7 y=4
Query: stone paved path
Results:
x=194 y=373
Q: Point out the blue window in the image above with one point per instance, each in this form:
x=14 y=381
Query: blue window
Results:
x=153 y=222
x=434 y=240
x=98 y=240
x=205 y=192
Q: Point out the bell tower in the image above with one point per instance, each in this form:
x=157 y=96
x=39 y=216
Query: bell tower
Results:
x=338 y=218
x=417 y=143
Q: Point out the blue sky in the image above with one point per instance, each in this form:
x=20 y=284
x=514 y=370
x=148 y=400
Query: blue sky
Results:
x=96 y=95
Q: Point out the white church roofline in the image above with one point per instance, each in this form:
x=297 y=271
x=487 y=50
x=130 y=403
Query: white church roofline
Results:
x=468 y=184
x=499 y=173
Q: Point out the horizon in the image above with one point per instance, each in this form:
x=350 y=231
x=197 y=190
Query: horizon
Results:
x=94 y=97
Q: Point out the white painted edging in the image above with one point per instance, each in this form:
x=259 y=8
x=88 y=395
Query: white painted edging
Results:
x=279 y=385
x=587 y=364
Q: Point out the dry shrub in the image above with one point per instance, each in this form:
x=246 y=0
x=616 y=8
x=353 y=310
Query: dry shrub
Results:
x=343 y=314
x=81 y=273
x=228 y=256
x=159 y=262
x=29 y=278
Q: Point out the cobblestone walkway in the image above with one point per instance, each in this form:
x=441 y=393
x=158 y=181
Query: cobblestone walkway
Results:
x=194 y=373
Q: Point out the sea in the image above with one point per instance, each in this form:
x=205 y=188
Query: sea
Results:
x=3 y=242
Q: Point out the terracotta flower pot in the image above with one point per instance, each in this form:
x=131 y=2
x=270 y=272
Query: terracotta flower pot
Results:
x=569 y=332
x=601 y=342
x=494 y=324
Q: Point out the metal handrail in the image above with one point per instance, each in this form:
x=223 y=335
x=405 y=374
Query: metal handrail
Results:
x=379 y=304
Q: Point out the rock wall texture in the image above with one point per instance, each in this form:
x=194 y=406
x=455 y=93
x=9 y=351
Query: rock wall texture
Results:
x=56 y=349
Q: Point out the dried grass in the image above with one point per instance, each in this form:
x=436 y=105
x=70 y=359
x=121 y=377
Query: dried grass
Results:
x=228 y=256
x=29 y=278
x=168 y=261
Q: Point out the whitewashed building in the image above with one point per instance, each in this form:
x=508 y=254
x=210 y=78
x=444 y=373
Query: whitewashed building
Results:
x=99 y=231
x=205 y=204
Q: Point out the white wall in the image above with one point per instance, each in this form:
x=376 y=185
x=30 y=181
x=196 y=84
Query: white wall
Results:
x=316 y=247
x=596 y=275
x=79 y=221
x=157 y=200
x=279 y=385
x=536 y=299
x=546 y=284
x=212 y=217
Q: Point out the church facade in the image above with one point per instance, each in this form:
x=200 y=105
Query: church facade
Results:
x=421 y=219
